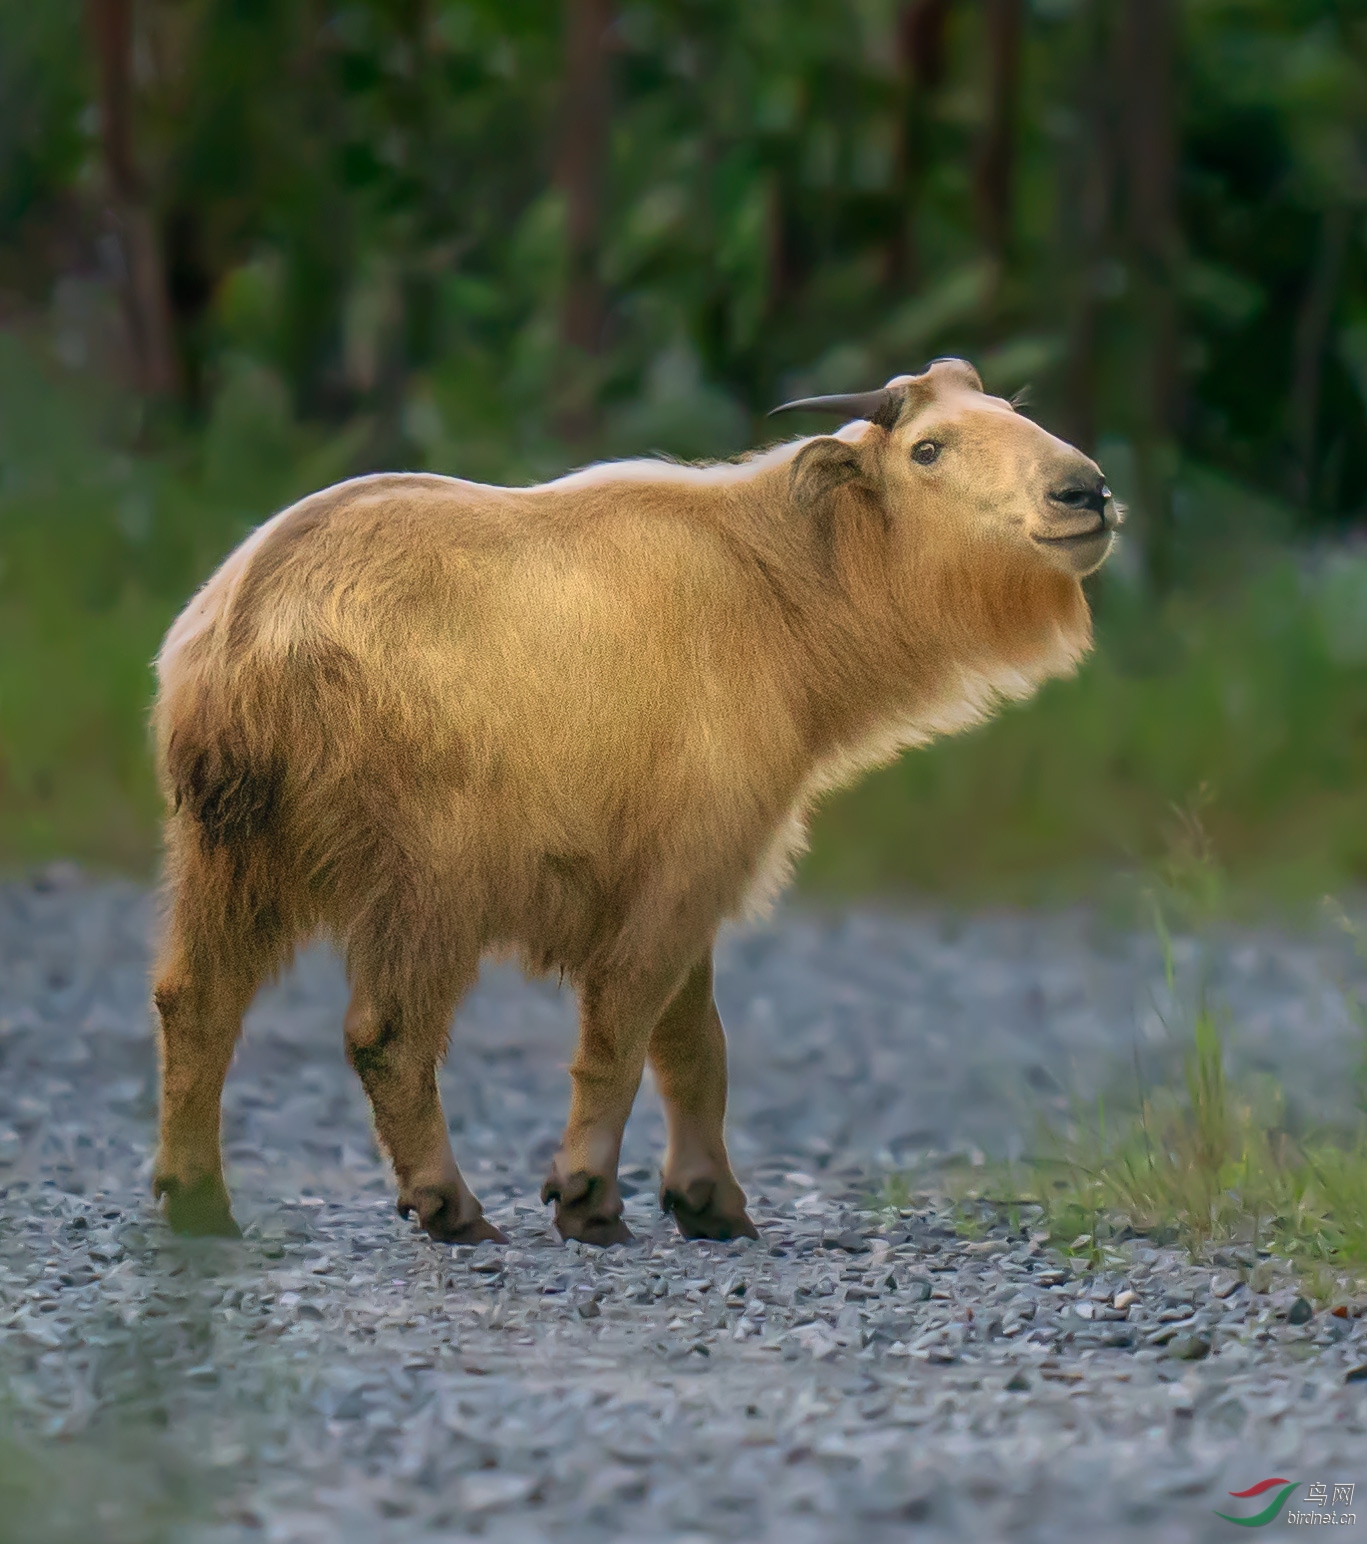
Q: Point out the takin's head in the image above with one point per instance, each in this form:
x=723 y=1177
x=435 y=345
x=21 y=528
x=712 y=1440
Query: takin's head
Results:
x=967 y=465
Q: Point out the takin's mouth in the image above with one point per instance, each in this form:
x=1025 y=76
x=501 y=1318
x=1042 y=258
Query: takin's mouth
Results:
x=1078 y=541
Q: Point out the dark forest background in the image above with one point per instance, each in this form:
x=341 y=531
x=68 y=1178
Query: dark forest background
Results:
x=249 y=246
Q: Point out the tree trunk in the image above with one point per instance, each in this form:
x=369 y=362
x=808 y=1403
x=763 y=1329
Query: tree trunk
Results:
x=1146 y=60
x=1312 y=336
x=580 y=175
x=146 y=303
x=994 y=175
x=1088 y=183
x=921 y=29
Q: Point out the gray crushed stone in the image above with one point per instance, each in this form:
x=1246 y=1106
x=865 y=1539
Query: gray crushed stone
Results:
x=857 y=1374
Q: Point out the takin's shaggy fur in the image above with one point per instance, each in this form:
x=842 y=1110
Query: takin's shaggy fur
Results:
x=582 y=722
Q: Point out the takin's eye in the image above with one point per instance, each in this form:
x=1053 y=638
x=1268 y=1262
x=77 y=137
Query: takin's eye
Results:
x=925 y=453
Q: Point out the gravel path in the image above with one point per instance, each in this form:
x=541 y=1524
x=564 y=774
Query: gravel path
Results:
x=335 y=1377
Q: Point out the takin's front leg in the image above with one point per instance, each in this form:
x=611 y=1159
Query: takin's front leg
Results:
x=394 y=1040
x=688 y=1058
x=616 y=1017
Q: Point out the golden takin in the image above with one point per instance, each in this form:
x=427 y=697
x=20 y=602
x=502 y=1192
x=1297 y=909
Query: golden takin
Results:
x=582 y=722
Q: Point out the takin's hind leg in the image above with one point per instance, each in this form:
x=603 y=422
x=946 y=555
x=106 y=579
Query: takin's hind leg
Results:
x=616 y=1016
x=396 y=1028
x=688 y=1060
x=218 y=947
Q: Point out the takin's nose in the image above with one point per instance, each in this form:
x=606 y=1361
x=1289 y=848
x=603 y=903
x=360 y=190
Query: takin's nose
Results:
x=1079 y=490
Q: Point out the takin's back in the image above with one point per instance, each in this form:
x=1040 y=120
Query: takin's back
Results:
x=562 y=686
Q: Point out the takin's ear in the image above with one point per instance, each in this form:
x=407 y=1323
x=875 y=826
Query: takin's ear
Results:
x=823 y=466
x=826 y=473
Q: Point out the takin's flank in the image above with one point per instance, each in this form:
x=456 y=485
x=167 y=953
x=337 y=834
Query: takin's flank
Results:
x=582 y=722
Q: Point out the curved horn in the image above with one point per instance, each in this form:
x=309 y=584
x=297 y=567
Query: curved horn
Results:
x=880 y=407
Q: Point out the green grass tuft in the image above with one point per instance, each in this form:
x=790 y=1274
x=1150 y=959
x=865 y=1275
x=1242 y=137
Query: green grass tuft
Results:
x=1198 y=1162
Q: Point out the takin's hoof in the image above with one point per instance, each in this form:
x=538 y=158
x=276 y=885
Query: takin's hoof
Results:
x=701 y=1213
x=200 y=1209
x=587 y=1207
x=449 y=1214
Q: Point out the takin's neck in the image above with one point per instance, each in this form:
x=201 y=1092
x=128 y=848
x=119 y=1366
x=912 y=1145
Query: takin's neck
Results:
x=877 y=662
x=942 y=653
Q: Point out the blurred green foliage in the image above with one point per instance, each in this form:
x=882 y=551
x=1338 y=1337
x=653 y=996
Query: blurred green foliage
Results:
x=365 y=220
x=361 y=199
x=119 y=1487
